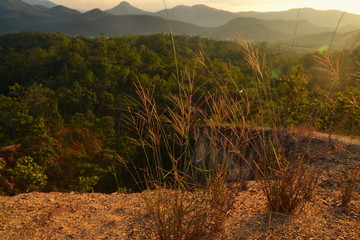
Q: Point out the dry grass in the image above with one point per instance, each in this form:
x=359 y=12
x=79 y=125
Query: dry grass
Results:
x=287 y=189
x=287 y=180
x=186 y=206
x=348 y=183
x=180 y=207
x=197 y=214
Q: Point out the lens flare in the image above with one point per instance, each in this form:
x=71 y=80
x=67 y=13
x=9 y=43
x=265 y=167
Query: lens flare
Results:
x=323 y=48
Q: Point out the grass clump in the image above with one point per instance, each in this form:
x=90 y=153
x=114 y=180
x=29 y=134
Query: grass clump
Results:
x=348 y=183
x=196 y=214
x=288 y=188
x=180 y=205
x=287 y=179
x=191 y=200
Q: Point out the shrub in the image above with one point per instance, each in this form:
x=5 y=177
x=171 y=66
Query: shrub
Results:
x=28 y=175
x=288 y=188
x=348 y=183
x=179 y=214
x=180 y=207
x=288 y=179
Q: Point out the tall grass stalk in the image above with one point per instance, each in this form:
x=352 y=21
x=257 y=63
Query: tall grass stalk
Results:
x=182 y=207
x=198 y=142
x=165 y=135
x=330 y=66
x=287 y=178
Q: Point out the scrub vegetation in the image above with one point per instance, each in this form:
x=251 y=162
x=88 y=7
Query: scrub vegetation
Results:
x=111 y=114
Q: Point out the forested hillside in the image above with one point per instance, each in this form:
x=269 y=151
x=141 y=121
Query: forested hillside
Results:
x=198 y=20
x=64 y=100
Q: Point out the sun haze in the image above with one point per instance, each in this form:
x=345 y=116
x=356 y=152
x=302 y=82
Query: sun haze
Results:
x=228 y=5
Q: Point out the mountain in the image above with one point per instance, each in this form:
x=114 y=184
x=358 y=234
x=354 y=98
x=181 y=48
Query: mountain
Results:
x=201 y=15
x=124 y=8
x=303 y=27
x=131 y=24
x=252 y=29
x=44 y=3
x=16 y=16
x=63 y=12
x=326 y=18
x=40 y=8
x=94 y=14
x=261 y=30
x=8 y=7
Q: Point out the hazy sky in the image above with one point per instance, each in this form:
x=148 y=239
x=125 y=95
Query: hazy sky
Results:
x=230 y=5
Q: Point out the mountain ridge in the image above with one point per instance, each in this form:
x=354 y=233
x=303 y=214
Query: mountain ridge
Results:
x=326 y=18
x=16 y=16
x=125 y=8
x=200 y=14
x=206 y=16
x=44 y=3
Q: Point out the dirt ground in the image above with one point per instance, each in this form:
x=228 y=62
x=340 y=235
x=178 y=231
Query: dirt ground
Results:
x=122 y=216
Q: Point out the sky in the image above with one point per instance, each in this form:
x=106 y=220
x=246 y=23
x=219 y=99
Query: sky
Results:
x=229 y=5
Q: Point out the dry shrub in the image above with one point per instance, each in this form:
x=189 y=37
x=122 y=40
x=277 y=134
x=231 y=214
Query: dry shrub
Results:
x=288 y=188
x=180 y=214
x=348 y=183
x=180 y=207
x=288 y=178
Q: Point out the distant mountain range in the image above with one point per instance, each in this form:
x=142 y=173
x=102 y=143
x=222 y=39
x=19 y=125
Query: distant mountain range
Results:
x=205 y=16
x=326 y=18
x=44 y=3
x=313 y=28
x=124 y=8
x=201 y=15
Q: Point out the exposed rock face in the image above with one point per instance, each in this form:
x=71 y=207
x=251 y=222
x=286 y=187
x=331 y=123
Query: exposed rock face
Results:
x=241 y=151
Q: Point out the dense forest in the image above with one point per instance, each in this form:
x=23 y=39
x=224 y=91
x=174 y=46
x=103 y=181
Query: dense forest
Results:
x=64 y=100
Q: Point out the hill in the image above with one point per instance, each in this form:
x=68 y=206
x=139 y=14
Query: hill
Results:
x=100 y=23
x=8 y=7
x=94 y=14
x=253 y=29
x=124 y=8
x=19 y=16
x=63 y=12
x=15 y=15
x=260 y=30
x=44 y=3
x=201 y=15
x=199 y=20
x=325 y=18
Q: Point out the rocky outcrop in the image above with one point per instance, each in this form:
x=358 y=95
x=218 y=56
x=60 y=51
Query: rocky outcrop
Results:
x=241 y=151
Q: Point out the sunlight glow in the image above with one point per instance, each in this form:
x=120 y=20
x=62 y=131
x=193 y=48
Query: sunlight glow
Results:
x=352 y=6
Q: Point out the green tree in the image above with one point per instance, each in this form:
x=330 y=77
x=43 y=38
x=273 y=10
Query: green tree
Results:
x=293 y=99
x=28 y=175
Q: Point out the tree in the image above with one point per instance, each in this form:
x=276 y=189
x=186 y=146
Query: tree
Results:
x=293 y=99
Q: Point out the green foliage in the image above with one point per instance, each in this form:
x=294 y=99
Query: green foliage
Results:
x=2 y=164
x=86 y=184
x=293 y=99
x=340 y=112
x=2 y=178
x=28 y=175
x=61 y=97
x=37 y=142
